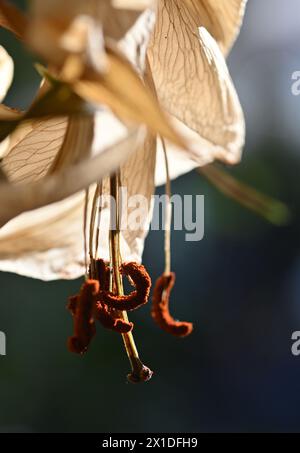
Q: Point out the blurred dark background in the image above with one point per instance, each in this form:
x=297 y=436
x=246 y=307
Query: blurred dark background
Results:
x=240 y=286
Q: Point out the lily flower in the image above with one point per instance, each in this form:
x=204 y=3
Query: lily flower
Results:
x=45 y=150
x=113 y=68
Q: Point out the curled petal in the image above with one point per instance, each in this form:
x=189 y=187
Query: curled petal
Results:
x=114 y=89
x=137 y=298
x=82 y=308
x=51 y=19
x=194 y=86
x=160 y=308
x=221 y=18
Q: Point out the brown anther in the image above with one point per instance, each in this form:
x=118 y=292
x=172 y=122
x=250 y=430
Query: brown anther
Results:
x=108 y=320
x=82 y=307
x=140 y=278
x=144 y=375
x=160 y=308
x=106 y=317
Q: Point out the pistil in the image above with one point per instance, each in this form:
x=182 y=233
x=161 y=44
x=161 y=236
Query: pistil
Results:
x=139 y=372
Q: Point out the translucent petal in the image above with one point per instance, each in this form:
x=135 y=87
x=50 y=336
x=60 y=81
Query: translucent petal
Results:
x=48 y=243
x=6 y=72
x=194 y=86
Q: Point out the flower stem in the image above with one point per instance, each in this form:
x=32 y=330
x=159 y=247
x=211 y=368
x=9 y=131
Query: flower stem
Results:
x=168 y=213
x=139 y=372
x=85 y=217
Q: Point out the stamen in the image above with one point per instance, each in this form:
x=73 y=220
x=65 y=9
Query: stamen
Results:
x=139 y=278
x=82 y=308
x=92 y=230
x=160 y=308
x=168 y=213
x=163 y=287
x=85 y=220
x=108 y=320
x=100 y=190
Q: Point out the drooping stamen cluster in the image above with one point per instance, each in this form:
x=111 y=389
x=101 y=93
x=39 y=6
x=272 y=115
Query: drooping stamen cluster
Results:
x=96 y=302
x=110 y=306
x=160 y=308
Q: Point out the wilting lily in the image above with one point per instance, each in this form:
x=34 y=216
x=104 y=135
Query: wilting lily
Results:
x=111 y=64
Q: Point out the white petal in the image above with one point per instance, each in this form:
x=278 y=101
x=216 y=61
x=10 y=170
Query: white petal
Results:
x=135 y=42
x=6 y=72
x=199 y=152
x=46 y=243
x=53 y=22
x=179 y=164
x=222 y=18
x=132 y=4
x=33 y=148
x=108 y=131
x=137 y=178
x=57 y=186
x=194 y=85
x=137 y=175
